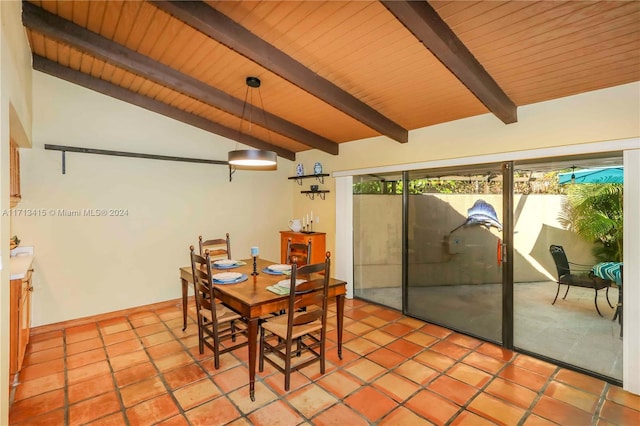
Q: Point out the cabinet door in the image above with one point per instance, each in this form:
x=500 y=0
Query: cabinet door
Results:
x=24 y=319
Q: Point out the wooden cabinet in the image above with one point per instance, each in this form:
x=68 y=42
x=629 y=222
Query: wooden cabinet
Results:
x=318 y=244
x=19 y=321
x=14 y=170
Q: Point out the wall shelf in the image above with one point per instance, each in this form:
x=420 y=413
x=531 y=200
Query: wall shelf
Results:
x=319 y=177
x=312 y=194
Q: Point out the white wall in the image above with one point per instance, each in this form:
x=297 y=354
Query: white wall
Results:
x=15 y=122
x=90 y=265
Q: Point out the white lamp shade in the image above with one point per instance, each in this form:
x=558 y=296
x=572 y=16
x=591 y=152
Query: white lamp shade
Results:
x=252 y=157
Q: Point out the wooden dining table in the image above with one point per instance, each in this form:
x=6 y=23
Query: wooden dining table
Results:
x=252 y=300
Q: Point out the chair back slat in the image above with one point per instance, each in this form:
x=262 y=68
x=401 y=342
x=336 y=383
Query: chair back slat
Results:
x=219 y=248
x=299 y=253
x=560 y=259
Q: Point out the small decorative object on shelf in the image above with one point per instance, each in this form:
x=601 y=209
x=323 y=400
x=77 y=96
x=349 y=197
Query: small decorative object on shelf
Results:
x=299 y=169
x=314 y=188
x=317 y=168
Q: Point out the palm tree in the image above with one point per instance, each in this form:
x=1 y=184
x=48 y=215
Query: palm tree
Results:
x=594 y=211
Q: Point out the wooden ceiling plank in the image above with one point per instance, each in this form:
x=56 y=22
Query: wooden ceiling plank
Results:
x=101 y=86
x=221 y=28
x=80 y=12
x=107 y=50
x=422 y=20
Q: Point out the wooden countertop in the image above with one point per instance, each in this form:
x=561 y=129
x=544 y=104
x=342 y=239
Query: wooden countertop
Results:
x=20 y=263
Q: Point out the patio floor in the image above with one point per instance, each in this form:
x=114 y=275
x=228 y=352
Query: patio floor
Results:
x=140 y=368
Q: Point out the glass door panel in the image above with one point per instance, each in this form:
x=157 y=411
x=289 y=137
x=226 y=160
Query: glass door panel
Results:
x=454 y=236
x=377 y=239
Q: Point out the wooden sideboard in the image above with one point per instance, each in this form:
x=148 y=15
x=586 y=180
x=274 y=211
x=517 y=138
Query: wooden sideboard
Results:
x=318 y=244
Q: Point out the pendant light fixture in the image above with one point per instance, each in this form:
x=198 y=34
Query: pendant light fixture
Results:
x=252 y=157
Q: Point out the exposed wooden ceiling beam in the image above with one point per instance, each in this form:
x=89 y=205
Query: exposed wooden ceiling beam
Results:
x=425 y=23
x=109 y=89
x=69 y=33
x=223 y=29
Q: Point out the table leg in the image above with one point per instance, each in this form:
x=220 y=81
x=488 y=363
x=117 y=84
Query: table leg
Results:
x=340 y=318
x=185 y=286
x=253 y=342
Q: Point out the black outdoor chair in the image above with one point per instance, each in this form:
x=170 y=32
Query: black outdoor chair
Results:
x=574 y=274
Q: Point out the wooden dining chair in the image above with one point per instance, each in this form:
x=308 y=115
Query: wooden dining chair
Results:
x=219 y=248
x=304 y=328
x=299 y=253
x=216 y=322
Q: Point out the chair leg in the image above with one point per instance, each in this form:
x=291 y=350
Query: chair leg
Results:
x=566 y=292
x=261 y=353
x=607 y=293
x=233 y=331
x=287 y=367
x=595 y=301
x=557 y=292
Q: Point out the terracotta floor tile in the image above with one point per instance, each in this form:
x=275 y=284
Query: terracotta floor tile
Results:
x=533 y=420
x=619 y=414
x=470 y=419
x=232 y=379
x=495 y=351
x=511 y=392
x=523 y=377
x=90 y=388
x=484 y=362
x=127 y=360
x=227 y=361
x=560 y=412
x=450 y=349
x=196 y=393
x=172 y=361
x=39 y=337
x=435 y=360
x=164 y=349
x=398 y=329
x=416 y=372
x=94 y=408
x=386 y=358
x=576 y=397
x=35 y=371
x=115 y=328
x=157 y=338
x=452 y=389
x=395 y=386
x=358 y=328
x=119 y=337
x=365 y=370
x=462 y=340
x=32 y=358
x=371 y=403
x=84 y=345
x=135 y=374
x=277 y=413
x=311 y=399
x=469 y=375
x=115 y=419
x=84 y=358
x=374 y=321
x=141 y=391
x=622 y=397
x=436 y=330
x=496 y=410
x=535 y=365
x=356 y=314
x=339 y=415
x=388 y=314
x=87 y=372
x=346 y=336
x=46 y=344
x=361 y=346
x=144 y=320
x=581 y=381
x=178 y=420
x=184 y=375
x=276 y=382
x=379 y=337
x=347 y=357
x=36 y=406
x=339 y=383
x=124 y=347
x=84 y=332
x=404 y=347
x=263 y=396
x=153 y=411
x=51 y=418
x=420 y=338
x=401 y=416
x=146 y=330
x=432 y=407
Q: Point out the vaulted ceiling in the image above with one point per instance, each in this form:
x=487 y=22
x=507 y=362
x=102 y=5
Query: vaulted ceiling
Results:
x=334 y=71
